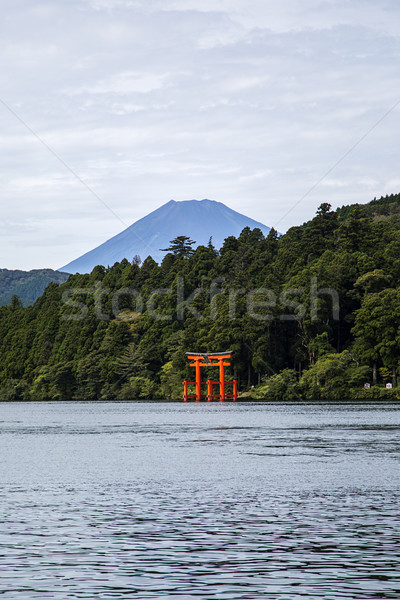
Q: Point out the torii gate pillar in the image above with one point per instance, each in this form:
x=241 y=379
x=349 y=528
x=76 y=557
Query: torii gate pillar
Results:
x=198 y=381
x=221 y=379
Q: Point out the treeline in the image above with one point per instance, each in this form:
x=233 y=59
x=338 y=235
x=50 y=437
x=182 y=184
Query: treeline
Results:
x=312 y=314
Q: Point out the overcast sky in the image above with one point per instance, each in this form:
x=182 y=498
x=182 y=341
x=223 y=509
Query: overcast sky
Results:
x=110 y=108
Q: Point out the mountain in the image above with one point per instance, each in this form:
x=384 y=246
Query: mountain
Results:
x=198 y=219
x=27 y=285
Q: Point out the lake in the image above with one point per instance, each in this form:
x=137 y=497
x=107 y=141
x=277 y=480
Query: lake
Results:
x=199 y=500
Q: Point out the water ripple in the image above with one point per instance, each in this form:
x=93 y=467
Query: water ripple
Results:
x=188 y=502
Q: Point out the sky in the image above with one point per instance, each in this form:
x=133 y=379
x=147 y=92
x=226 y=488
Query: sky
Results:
x=111 y=108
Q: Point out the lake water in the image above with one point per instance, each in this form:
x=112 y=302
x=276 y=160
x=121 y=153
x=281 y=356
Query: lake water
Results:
x=199 y=500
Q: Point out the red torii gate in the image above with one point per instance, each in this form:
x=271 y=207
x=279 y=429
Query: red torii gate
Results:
x=213 y=359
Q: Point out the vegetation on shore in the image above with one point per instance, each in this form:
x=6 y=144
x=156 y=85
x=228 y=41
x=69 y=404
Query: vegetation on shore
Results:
x=313 y=314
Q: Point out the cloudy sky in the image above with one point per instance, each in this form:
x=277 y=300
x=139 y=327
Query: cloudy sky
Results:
x=110 y=108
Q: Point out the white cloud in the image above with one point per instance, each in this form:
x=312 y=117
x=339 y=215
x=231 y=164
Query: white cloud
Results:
x=125 y=83
x=255 y=175
x=43 y=184
x=248 y=102
x=126 y=108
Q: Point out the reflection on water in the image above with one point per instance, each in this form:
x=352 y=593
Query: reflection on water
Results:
x=192 y=501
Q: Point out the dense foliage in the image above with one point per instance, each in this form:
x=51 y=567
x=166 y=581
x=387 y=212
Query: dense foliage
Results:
x=27 y=285
x=312 y=314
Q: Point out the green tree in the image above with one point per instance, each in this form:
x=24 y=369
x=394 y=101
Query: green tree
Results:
x=281 y=386
x=377 y=331
x=180 y=246
x=333 y=376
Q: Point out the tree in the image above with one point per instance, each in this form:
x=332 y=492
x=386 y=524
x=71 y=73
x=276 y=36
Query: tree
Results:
x=373 y=281
x=324 y=209
x=130 y=362
x=180 y=246
x=15 y=302
x=333 y=375
x=377 y=330
x=281 y=386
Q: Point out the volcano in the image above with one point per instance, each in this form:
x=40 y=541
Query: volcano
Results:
x=198 y=219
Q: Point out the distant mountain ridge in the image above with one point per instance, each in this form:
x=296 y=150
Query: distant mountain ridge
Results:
x=198 y=219
x=27 y=285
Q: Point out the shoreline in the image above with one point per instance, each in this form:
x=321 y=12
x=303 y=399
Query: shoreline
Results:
x=299 y=402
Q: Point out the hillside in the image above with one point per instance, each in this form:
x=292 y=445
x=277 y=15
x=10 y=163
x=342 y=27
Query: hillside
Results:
x=27 y=285
x=380 y=208
x=312 y=314
x=198 y=219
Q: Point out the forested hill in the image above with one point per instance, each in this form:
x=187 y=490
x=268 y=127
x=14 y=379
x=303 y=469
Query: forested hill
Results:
x=27 y=285
x=314 y=313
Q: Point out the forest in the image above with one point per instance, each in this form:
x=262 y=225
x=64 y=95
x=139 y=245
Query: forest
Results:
x=27 y=285
x=313 y=314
